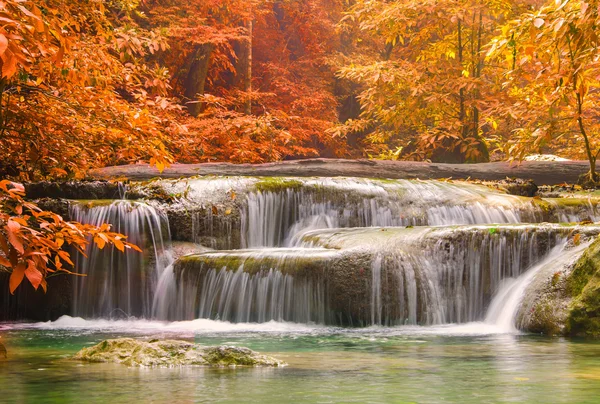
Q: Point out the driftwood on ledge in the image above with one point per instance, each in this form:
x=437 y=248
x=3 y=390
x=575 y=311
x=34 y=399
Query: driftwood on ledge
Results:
x=541 y=172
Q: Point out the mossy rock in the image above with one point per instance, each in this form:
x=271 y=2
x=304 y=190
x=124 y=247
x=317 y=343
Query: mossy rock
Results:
x=171 y=353
x=584 y=286
x=277 y=184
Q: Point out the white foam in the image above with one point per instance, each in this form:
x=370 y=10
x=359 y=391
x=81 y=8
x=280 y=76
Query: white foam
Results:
x=148 y=326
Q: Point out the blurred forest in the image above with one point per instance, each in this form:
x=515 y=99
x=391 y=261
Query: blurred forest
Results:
x=95 y=83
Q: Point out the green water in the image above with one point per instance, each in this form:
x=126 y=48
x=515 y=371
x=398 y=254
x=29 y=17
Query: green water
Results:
x=325 y=365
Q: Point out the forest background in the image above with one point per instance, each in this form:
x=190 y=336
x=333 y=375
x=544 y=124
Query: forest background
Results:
x=87 y=84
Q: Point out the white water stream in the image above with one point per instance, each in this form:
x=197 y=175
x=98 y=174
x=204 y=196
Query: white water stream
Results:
x=476 y=279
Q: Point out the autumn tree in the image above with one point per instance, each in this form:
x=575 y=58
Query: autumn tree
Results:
x=552 y=60
x=424 y=83
x=63 y=66
x=254 y=78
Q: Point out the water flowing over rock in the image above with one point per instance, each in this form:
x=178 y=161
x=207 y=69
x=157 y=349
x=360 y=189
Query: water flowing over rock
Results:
x=337 y=251
x=247 y=212
x=119 y=284
x=387 y=276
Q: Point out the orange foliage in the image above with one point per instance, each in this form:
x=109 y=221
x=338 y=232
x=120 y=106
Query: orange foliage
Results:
x=33 y=242
x=62 y=64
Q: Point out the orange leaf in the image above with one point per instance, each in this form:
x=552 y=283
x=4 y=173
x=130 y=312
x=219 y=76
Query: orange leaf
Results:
x=133 y=247
x=119 y=245
x=99 y=242
x=3 y=44
x=65 y=257
x=34 y=276
x=9 y=65
x=16 y=277
x=12 y=229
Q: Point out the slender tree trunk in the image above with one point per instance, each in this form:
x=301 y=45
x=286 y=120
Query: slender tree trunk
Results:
x=196 y=78
x=461 y=92
x=579 y=99
x=248 y=75
x=483 y=149
x=477 y=74
x=588 y=149
x=243 y=67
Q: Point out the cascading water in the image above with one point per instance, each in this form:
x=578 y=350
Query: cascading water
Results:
x=280 y=218
x=450 y=278
x=115 y=283
x=252 y=286
x=503 y=309
x=425 y=275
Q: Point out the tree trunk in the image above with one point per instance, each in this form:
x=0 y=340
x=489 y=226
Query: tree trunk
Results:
x=588 y=149
x=196 y=78
x=482 y=148
x=461 y=92
x=243 y=67
x=248 y=75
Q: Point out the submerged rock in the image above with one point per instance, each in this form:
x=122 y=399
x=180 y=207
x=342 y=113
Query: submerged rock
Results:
x=171 y=353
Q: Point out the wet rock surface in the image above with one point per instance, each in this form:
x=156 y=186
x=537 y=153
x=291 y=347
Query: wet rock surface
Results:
x=172 y=353
x=541 y=172
x=74 y=190
x=584 y=286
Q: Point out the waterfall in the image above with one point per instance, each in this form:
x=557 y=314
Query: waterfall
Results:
x=505 y=305
x=280 y=218
x=251 y=286
x=241 y=297
x=116 y=283
x=376 y=306
x=448 y=279
x=329 y=251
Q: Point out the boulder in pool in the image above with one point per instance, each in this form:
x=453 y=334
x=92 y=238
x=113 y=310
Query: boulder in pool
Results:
x=171 y=353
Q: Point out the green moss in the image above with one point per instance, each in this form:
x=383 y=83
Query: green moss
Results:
x=277 y=184
x=230 y=356
x=291 y=265
x=573 y=202
x=585 y=268
x=544 y=319
x=584 y=286
x=169 y=353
